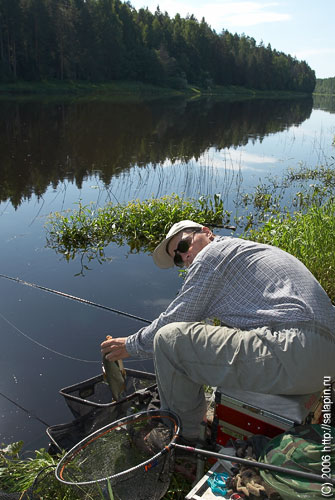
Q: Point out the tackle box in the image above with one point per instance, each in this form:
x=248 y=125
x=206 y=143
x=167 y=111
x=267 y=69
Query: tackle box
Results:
x=241 y=414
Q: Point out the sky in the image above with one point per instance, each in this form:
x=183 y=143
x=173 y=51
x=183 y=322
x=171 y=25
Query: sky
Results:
x=305 y=29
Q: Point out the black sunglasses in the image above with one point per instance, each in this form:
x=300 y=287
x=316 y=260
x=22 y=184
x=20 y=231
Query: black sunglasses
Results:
x=183 y=247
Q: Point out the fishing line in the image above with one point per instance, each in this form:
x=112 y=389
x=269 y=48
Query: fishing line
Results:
x=53 y=350
x=73 y=297
x=25 y=410
x=45 y=347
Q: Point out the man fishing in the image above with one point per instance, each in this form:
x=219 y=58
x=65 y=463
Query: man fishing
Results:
x=277 y=333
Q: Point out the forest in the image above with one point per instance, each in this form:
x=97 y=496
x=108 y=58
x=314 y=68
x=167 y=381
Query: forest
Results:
x=108 y=40
x=325 y=86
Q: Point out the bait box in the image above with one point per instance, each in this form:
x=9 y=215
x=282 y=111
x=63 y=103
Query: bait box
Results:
x=241 y=414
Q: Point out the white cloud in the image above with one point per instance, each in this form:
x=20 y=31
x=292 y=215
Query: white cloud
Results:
x=221 y=14
x=229 y=159
x=254 y=18
x=236 y=160
x=253 y=158
x=244 y=13
x=159 y=303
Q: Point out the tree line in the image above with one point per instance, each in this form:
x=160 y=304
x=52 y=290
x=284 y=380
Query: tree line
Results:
x=105 y=40
x=325 y=86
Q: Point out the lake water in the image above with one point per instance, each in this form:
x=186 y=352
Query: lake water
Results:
x=54 y=154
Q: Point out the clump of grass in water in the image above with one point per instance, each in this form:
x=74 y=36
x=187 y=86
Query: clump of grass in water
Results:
x=140 y=224
x=17 y=475
x=310 y=237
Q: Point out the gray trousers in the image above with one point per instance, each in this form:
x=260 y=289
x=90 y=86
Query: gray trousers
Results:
x=288 y=359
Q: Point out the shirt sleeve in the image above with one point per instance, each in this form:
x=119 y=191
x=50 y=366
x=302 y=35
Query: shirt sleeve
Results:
x=191 y=304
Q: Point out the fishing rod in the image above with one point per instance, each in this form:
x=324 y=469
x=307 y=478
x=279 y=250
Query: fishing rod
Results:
x=254 y=463
x=73 y=297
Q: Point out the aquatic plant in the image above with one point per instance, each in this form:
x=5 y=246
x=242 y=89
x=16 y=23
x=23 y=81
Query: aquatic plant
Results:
x=35 y=476
x=140 y=224
x=19 y=474
x=275 y=196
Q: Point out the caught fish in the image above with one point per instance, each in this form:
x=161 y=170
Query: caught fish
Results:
x=114 y=376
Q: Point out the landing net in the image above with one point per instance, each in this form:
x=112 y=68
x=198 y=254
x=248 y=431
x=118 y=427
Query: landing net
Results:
x=134 y=454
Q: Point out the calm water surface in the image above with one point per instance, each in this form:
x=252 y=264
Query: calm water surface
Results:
x=55 y=154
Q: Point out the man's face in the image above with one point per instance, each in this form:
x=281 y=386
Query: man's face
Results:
x=197 y=241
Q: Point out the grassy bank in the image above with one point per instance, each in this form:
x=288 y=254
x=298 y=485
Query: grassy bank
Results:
x=119 y=90
x=310 y=237
x=128 y=90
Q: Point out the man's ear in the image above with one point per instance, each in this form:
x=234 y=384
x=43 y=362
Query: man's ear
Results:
x=207 y=231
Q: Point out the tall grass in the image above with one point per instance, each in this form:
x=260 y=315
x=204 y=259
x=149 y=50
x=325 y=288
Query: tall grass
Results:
x=310 y=237
x=18 y=474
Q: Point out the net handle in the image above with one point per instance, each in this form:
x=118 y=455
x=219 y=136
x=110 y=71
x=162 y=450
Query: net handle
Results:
x=146 y=465
x=253 y=463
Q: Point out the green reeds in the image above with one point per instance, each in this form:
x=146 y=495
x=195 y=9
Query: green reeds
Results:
x=308 y=236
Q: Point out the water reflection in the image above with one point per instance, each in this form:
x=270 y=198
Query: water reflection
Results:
x=45 y=144
x=324 y=102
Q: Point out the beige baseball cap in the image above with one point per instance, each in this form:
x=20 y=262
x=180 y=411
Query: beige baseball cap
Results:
x=160 y=255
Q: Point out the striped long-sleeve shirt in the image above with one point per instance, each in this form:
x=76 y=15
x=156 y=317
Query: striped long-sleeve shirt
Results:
x=245 y=285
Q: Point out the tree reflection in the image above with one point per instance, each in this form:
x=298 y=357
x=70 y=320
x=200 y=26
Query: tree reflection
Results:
x=44 y=144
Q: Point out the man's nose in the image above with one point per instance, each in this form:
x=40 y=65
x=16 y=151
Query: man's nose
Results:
x=186 y=257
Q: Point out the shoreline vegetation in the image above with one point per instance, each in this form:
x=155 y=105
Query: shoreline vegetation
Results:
x=133 y=90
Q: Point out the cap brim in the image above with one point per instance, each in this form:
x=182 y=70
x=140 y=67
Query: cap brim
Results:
x=161 y=258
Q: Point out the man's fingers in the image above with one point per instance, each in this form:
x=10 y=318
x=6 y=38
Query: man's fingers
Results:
x=114 y=348
x=118 y=353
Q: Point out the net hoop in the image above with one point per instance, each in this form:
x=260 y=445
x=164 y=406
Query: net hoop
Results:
x=146 y=465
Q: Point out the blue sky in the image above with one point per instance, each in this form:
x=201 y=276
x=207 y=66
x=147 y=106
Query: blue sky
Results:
x=303 y=28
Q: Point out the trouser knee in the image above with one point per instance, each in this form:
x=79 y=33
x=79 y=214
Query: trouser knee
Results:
x=167 y=336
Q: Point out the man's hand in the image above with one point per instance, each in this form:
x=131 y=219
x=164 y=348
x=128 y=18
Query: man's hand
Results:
x=114 y=348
